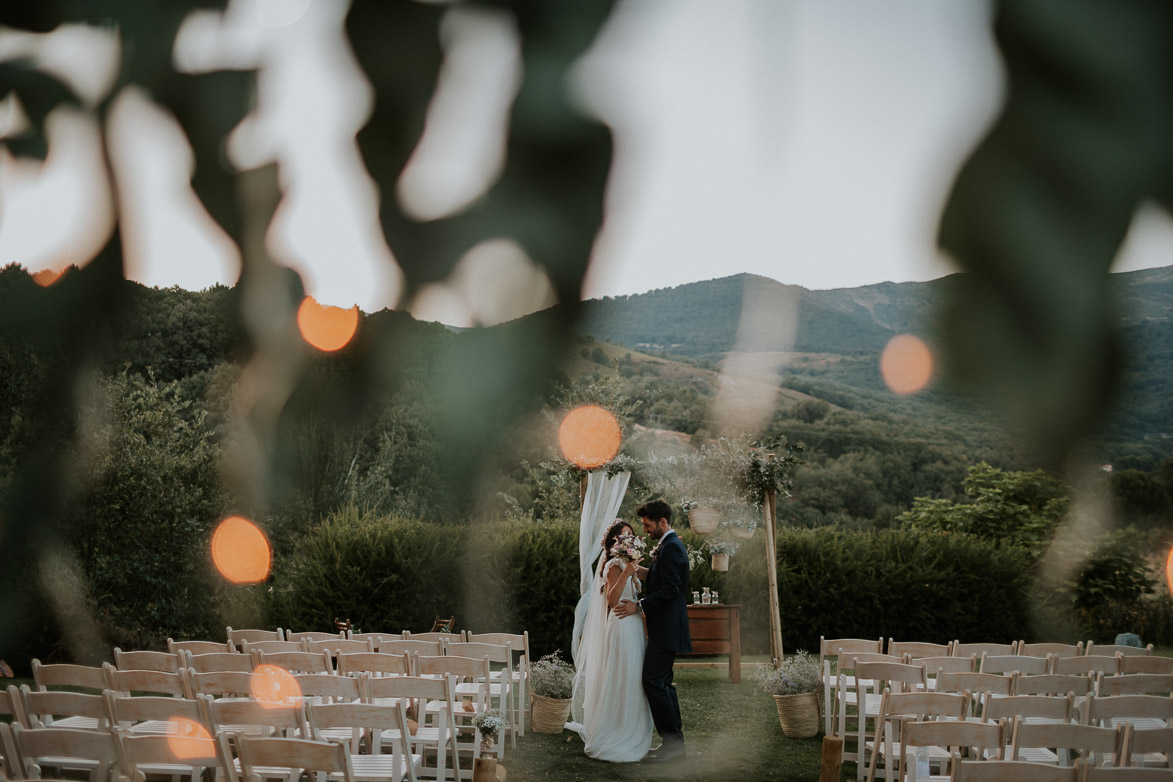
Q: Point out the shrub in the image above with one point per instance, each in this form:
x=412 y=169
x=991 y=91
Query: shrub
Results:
x=552 y=677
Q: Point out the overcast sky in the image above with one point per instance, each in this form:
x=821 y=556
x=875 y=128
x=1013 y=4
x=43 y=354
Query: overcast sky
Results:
x=811 y=141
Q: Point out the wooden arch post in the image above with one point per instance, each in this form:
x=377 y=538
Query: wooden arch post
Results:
x=770 y=512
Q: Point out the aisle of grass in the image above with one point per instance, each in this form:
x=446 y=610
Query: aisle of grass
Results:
x=732 y=732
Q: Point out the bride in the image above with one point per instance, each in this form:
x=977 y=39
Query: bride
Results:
x=613 y=719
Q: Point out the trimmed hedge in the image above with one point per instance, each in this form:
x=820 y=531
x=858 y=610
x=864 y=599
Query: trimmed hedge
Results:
x=390 y=573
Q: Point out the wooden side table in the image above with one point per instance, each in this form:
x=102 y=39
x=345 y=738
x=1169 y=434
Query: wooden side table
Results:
x=716 y=629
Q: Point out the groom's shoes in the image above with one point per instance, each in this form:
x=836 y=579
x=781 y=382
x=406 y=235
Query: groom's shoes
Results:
x=666 y=753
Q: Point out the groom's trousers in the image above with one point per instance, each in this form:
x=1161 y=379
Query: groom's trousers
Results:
x=657 y=676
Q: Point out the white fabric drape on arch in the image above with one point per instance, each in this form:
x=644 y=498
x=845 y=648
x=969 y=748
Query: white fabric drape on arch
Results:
x=604 y=495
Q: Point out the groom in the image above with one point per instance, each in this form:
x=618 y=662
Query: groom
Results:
x=666 y=609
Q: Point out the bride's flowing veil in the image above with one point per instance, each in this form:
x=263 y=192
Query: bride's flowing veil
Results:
x=604 y=495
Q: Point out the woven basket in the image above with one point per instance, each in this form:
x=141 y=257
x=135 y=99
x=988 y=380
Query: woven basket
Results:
x=704 y=520
x=721 y=562
x=798 y=714
x=548 y=715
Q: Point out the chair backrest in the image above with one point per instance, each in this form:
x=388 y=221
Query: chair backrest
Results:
x=988 y=683
x=938 y=665
x=167 y=662
x=1143 y=663
x=1126 y=708
x=1060 y=708
x=375 y=638
x=1089 y=663
x=954 y=734
x=314 y=635
x=225 y=714
x=1045 y=648
x=1014 y=663
x=199 y=647
x=1135 y=684
x=965 y=650
x=68 y=675
x=1114 y=774
x=375 y=663
x=98 y=746
x=1148 y=742
x=219 y=661
x=296 y=662
x=465 y=668
x=10 y=764
x=915 y=650
x=917 y=705
x=1112 y=649
x=327 y=686
x=421 y=691
x=898 y=677
x=459 y=637
x=519 y=642
x=40 y=708
x=128 y=682
x=248 y=647
x=496 y=653
x=197 y=749
x=237 y=637
x=1054 y=684
x=1093 y=743
x=220 y=683
x=337 y=646
x=268 y=753
x=1012 y=771
x=407 y=646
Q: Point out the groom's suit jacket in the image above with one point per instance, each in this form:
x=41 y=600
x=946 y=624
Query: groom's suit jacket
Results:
x=665 y=603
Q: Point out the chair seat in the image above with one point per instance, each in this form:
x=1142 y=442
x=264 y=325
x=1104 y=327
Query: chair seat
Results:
x=380 y=768
x=152 y=728
x=80 y=723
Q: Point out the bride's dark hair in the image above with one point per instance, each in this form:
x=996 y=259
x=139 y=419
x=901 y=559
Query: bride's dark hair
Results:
x=612 y=534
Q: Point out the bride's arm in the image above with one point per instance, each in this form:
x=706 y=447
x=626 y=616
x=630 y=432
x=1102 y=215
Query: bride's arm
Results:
x=641 y=573
x=616 y=578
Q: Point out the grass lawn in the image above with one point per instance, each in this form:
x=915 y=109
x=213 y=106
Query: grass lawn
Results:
x=731 y=731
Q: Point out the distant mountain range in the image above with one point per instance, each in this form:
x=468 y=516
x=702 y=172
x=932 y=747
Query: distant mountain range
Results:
x=703 y=318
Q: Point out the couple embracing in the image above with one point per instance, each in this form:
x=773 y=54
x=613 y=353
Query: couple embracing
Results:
x=625 y=678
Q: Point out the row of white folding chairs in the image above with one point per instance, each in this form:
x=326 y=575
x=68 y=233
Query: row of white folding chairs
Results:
x=834 y=646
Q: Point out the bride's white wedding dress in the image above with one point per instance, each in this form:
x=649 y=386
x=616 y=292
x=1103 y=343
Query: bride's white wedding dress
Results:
x=611 y=711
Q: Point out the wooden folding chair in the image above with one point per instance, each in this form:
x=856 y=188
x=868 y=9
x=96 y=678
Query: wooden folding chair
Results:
x=176 y=755
x=895 y=708
x=1033 y=708
x=62 y=709
x=1041 y=742
x=1144 y=712
x=314 y=635
x=830 y=650
x=248 y=647
x=916 y=650
x=1128 y=775
x=151 y=715
x=943 y=740
x=434 y=703
x=375 y=638
x=855 y=696
x=519 y=643
x=92 y=751
x=129 y=682
x=1141 y=663
x=336 y=646
x=262 y=758
x=465 y=670
x=10 y=704
x=167 y=662
x=412 y=648
x=10 y=763
x=238 y=717
x=295 y=662
x=375 y=722
x=500 y=682
x=935 y=666
x=374 y=663
x=199 y=647
x=1078 y=685
x=459 y=637
x=221 y=684
x=979 y=687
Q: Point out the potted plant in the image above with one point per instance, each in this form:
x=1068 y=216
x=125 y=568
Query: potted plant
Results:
x=551 y=681
x=794 y=684
x=488 y=724
x=721 y=550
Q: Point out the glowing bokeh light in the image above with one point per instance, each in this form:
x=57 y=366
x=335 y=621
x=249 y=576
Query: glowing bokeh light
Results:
x=275 y=688
x=240 y=551
x=326 y=328
x=46 y=277
x=589 y=437
x=188 y=739
x=906 y=364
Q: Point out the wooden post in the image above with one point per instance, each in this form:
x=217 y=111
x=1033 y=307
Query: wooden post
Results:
x=487 y=770
x=770 y=513
x=831 y=762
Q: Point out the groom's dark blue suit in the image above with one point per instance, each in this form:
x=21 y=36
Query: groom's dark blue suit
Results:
x=666 y=608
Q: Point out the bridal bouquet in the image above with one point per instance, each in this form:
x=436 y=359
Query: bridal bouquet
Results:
x=629 y=548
